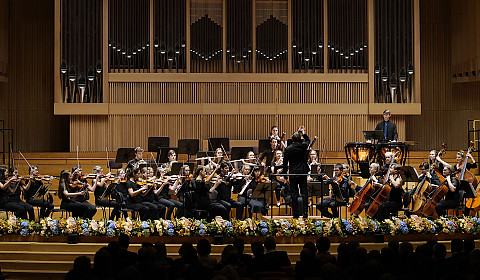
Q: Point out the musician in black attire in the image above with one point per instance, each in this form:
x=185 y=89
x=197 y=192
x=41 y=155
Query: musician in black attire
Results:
x=31 y=188
x=295 y=162
x=389 y=128
x=452 y=198
x=83 y=199
x=432 y=160
x=223 y=186
x=133 y=162
x=339 y=194
x=431 y=177
x=73 y=198
x=10 y=190
x=135 y=201
x=202 y=195
x=100 y=184
x=185 y=192
x=394 y=198
x=268 y=153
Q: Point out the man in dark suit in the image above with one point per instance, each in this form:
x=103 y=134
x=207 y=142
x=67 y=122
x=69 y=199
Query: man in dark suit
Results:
x=389 y=128
x=295 y=162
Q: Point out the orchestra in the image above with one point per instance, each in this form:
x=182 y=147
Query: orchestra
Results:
x=153 y=192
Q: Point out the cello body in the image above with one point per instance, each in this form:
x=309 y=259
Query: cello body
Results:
x=429 y=206
x=379 y=199
x=420 y=196
x=361 y=198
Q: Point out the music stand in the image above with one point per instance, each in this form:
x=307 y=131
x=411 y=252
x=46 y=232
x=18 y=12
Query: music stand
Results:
x=240 y=152
x=124 y=155
x=326 y=169
x=373 y=135
x=409 y=174
x=215 y=143
x=42 y=191
x=162 y=155
x=177 y=165
x=263 y=144
x=188 y=146
x=155 y=143
x=108 y=191
x=318 y=189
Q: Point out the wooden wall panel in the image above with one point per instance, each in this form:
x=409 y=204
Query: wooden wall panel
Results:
x=93 y=133
x=3 y=39
x=27 y=100
x=260 y=92
x=446 y=107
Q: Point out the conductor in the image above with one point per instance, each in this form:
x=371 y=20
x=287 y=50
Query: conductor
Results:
x=389 y=128
x=295 y=162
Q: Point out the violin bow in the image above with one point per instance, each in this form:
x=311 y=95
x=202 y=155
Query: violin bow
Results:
x=78 y=161
x=20 y=153
x=108 y=160
x=155 y=160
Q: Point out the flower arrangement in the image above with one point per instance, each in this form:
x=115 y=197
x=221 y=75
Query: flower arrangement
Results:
x=248 y=227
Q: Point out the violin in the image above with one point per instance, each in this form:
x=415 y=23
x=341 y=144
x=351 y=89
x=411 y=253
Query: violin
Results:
x=77 y=184
x=262 y=179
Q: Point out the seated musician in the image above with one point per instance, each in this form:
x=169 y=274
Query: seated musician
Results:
x=268 y=153
x=99 y=185
x=217 y=159
x=339 y=195
x=72 y=193
x=31 y=188
x=172 y=158
x=432 y=158
x=202 y=194
x=312 y=157
x=79 y=178
x=257 y=205
x=134 y=162
x=348 y=175
x=223 y=186
x=185 y=192
x=122 y=185
x=163 y=197
x=374 y=176
x=393 y=202
x=452 y=198
x=386 y=164
x=274 y=135
x=10 y=189
x=460 y=160
x=136 y=202
x=432 y=178
x=250 y=159
x=282 y=189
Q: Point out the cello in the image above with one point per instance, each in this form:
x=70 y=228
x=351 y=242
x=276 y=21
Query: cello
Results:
x=360 y=199
x=472 y=203
x=419 y=197
x=382 y=192
x=429 y=206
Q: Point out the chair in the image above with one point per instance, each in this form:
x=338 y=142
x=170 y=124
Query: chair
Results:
x=124 y=210
x=62 y=211
x=6 y=212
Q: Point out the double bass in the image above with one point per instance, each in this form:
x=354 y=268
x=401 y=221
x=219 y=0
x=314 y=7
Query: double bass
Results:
x=472 y=203
x=382 y=192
